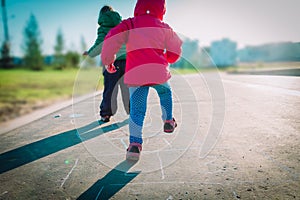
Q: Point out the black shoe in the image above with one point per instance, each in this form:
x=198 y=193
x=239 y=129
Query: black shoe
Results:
x=105 y=118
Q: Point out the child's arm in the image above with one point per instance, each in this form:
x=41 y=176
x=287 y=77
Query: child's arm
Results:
x=95 y=50
x=173 y=46
x=113 y=41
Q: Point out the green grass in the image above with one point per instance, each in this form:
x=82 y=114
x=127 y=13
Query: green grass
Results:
x=24 y=87
x=177 y=71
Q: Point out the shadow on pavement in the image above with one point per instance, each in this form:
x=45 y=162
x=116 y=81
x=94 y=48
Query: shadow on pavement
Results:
x=36 y=150
x=111 y=183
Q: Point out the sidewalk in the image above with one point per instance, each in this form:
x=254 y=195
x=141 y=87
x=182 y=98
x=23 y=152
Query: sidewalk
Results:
x=35 y=115
x=295 y=71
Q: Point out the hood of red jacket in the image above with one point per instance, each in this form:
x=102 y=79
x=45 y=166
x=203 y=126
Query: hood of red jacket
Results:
x=156 y=8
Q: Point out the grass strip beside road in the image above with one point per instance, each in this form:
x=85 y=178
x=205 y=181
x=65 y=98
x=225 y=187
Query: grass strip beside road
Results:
x=22 y=91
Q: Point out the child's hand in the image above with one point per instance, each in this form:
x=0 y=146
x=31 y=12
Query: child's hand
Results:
x=85 y=53
x=111 y=68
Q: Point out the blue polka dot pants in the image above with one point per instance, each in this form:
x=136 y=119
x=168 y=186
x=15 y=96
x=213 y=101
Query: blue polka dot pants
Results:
x=138 y=107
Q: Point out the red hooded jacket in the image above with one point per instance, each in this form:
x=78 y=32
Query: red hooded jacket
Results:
x=150 y=44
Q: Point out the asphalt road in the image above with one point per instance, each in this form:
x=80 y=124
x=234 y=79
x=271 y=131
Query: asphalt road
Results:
x=237 y=138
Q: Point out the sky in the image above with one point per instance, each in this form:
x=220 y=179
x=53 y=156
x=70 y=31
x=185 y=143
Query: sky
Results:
x=247 y=22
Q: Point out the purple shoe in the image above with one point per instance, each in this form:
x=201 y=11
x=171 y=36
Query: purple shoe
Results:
x=170 y=125
x=134 y=151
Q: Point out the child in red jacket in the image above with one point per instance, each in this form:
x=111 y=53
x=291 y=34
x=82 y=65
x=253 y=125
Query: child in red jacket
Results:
x=151 y=45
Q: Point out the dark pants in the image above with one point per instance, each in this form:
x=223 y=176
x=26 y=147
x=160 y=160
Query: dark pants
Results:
x=111 y=86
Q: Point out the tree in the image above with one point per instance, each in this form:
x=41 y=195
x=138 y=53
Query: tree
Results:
x=90 y=62
x=72 y=59
x=59 y=60
x=83 y=44
x=32 y=45
x=6 y=60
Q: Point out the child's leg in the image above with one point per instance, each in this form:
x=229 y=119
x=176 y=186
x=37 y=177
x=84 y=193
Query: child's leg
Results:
x=138 y=106
x=165 y=95
x=108 y=105
x=125 y=96
x=124 y=89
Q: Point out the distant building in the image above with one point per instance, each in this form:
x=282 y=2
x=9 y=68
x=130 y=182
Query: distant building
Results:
x=274 y=52
x=224 y=53
x=17 y=61
x=48 y=60
x=190 y=54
